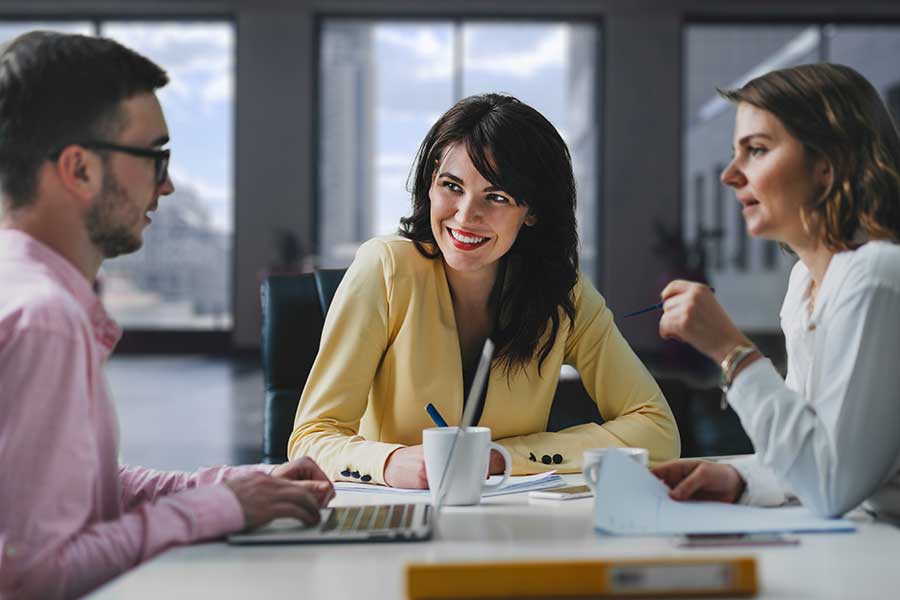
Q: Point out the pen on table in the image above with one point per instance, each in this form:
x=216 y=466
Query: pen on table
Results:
x=435 y=415
x=651 y=308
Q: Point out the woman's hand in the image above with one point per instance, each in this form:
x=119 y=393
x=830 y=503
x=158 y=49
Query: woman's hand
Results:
x=691 y=314
x=405 y=468
x=701 y=480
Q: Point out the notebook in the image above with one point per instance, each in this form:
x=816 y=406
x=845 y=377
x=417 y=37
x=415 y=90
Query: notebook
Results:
x=408 y=522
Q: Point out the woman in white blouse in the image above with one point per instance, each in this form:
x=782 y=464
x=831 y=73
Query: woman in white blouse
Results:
x=816 y=167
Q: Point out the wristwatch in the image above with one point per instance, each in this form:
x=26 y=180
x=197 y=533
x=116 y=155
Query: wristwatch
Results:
x=729 y=365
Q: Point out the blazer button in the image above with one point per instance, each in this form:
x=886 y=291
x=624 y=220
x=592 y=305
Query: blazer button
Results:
x=345 y=473
x=557 y=458
x=531 y=457
x=355 y=474
x=366 y=478
x=546 y=459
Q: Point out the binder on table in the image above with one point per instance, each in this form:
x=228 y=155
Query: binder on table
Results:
x=646 y=577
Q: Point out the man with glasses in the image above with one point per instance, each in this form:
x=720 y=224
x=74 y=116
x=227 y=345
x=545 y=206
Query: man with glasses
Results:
x=81 y=169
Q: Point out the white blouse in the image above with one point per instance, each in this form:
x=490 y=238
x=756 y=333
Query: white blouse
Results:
x=829 y=433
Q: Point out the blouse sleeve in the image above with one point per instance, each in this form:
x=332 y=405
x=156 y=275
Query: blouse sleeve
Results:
x=354 y=340
x=836 y=450
x=633 y=407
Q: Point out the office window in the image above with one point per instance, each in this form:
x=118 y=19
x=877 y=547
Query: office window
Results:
x=181 y=278
x=384 y=83
x=754 y=274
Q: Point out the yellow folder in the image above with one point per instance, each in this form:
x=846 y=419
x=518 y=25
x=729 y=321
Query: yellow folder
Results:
x=643 y=578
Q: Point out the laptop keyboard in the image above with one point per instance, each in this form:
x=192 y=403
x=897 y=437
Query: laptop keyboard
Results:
x=371 y=518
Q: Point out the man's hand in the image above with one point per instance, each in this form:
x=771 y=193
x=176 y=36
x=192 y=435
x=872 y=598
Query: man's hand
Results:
x=701 y=480
x=306 y=469
x=405 y=468
x=263 y=498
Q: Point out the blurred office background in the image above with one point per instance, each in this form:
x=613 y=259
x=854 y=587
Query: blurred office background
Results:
x=294 y=125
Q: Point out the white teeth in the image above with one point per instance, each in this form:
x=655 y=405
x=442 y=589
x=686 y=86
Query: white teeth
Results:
x=466 y=239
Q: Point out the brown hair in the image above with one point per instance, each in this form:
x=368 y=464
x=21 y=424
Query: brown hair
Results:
x=837 y=115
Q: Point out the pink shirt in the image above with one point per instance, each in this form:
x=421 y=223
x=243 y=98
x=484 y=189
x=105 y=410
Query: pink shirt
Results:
x=72 y=518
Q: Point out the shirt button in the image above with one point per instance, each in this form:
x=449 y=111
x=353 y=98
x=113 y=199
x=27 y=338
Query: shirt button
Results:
x=345 y=473
x=557 y=458
x=355 y=474
x=546 y=459
x=366 y=478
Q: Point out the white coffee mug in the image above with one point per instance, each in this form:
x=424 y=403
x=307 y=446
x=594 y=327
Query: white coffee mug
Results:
x=471 y=462
x=593 y=459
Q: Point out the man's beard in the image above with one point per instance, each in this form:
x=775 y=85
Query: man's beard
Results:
x=111 y=238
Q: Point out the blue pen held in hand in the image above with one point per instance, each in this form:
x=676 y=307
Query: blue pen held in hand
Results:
x=652 y=308
x=435 y=415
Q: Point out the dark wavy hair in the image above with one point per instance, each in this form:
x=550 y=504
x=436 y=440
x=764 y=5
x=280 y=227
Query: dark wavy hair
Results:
x=837 y=115
x=516 y=149
x=57 y=88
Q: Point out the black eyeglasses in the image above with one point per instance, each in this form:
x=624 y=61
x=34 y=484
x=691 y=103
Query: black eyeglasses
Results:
x=160 y=157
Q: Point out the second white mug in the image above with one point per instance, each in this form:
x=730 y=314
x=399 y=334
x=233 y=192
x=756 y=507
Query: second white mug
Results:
x=593 y=460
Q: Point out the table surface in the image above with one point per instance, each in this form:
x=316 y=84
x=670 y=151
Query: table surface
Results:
x=512 y=527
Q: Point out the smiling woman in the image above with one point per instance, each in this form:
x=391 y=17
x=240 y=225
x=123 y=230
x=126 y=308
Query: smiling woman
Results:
x=490 y=251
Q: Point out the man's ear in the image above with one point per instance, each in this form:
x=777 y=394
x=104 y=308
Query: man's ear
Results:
x=80 y=172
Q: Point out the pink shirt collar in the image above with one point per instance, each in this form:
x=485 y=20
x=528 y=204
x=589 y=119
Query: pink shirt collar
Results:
x=20 y=247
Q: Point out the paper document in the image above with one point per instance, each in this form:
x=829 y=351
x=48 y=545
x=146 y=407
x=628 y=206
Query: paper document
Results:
x=522 y=483
x=630 y=500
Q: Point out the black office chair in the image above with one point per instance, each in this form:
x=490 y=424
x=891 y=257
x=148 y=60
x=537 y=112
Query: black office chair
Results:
x=293 y=313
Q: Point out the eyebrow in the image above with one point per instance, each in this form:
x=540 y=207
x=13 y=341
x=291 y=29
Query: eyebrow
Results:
x=490 y=188
x=747 y=138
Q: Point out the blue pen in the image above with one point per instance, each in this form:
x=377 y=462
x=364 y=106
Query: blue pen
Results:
x=435 y=415
x=651 y=308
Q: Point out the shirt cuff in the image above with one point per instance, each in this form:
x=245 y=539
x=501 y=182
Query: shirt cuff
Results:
x=763 y=487
x=217 y=510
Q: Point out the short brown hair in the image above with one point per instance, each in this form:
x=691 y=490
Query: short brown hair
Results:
x=837 y=115
x=55 y=89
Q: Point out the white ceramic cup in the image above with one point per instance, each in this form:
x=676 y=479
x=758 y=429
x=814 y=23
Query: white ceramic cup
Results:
x=471 y=462
x=593 y=459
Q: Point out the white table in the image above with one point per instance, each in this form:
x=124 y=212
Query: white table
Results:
x=865 y=564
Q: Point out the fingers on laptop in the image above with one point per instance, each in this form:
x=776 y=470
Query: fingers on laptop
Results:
x=263 y=498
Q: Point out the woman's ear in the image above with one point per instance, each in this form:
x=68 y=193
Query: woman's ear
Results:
x=530 y=219
x=824 y=173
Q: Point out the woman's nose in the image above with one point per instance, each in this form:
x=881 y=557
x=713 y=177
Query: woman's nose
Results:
x=467 y=210
x=733 y=176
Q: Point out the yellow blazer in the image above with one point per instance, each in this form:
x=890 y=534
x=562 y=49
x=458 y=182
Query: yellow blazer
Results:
x=390 y=346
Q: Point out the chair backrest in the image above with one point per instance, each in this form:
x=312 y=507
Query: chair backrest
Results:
x=293 y=313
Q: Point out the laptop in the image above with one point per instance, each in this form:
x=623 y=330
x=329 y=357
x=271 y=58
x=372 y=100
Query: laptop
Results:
x=377 y=522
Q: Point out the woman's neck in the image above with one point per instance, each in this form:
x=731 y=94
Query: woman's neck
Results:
x=471 y=289
x=816 y=257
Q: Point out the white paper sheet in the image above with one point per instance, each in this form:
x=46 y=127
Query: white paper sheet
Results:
x=517 y=484
x=632 y=501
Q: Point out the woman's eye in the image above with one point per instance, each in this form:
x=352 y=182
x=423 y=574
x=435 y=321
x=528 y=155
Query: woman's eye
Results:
x=498 y=199
x=451 y=186
x=756 y=150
